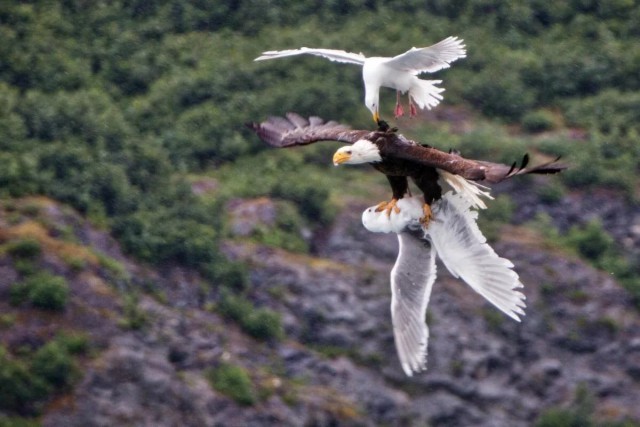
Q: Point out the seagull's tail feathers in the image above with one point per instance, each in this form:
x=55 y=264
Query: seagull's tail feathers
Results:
x=464 y=251
x=425 y=93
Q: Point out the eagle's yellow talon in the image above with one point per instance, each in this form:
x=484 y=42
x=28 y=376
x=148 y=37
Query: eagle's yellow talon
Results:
x=428 y=215
x=388 y=207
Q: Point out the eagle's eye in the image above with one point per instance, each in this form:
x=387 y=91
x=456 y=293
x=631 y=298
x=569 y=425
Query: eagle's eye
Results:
x=348 y=152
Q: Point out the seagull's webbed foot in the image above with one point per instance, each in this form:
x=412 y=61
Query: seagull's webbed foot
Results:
x=388 y=207
x=428 y=215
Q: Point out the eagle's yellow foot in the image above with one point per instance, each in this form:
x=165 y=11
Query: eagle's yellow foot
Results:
x=428 y=215
x=388 y=207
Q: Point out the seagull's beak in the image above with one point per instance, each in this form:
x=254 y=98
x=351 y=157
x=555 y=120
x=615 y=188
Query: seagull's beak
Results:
x=340 y=157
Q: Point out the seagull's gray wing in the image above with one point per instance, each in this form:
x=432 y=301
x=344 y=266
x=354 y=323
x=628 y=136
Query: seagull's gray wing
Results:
x=330 y=54
x=429 y=59
x=412 y=278
x=464 y=251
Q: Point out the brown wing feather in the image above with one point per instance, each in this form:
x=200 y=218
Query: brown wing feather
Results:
x=475 y=170
x=496 y=172
x=295 y=130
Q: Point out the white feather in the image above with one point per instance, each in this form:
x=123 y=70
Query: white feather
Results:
x=466 y=254
x=470 y=190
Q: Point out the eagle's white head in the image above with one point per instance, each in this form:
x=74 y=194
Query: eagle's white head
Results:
x=362 y=151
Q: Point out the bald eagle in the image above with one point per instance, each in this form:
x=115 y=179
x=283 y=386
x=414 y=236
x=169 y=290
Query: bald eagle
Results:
x=397 y=73
x=397 y=157
x=449 y=185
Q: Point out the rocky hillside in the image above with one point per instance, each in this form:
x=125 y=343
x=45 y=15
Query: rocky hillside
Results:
x=169 y=354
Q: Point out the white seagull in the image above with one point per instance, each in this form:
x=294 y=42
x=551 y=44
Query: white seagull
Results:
x=399 y=73
x=455 y=237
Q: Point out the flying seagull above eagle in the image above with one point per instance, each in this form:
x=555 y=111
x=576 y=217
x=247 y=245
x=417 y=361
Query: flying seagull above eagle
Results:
x=449 y=185
x=399 y=72
x=398 y=158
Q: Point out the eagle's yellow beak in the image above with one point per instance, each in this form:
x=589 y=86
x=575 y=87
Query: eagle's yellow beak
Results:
x=340 y=157
x=376 y=117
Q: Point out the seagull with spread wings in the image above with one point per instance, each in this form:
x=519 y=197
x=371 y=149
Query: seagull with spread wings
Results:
x=399 y=72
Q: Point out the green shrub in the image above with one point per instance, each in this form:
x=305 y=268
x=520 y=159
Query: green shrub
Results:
x=42 y=290
x=75 y=342
x=232 y=381
x=24 y=248
x=229 y=274
x=48 y=292
x=591 y=241
x=260 y=323
x=25 y=266
x=264 y=324
x=578 y=414
x=19 y=387
x=538 y=121
x=53 y=363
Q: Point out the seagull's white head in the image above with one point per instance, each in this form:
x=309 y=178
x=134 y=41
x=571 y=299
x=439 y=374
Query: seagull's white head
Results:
x=362 y=151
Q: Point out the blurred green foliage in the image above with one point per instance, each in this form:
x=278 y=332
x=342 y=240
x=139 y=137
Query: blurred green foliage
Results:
x=42 y=290
x=27 y=381
x=24 y=248
x=580 y=413
x=260 y=323
x=233 y=381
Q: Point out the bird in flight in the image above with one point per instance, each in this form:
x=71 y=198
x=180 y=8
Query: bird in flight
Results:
x=448 y=183
x=398 y=158
x=450 y=191
x=399 y=72
x=454 y=238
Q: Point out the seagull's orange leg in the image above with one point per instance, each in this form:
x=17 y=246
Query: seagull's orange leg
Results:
x=388 y=207
x=413 y=110
x=399 y=111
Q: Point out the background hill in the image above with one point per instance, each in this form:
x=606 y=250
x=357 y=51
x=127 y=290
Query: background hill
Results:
x=161 y=266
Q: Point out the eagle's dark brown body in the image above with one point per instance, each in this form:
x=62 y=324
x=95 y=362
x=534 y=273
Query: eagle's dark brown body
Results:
x=424 y=177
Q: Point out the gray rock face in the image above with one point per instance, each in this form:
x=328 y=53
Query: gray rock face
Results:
x=337 y=364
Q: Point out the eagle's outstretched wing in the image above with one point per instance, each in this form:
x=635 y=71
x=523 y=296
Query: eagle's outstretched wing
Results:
x=296 y=130
x=475 y=170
